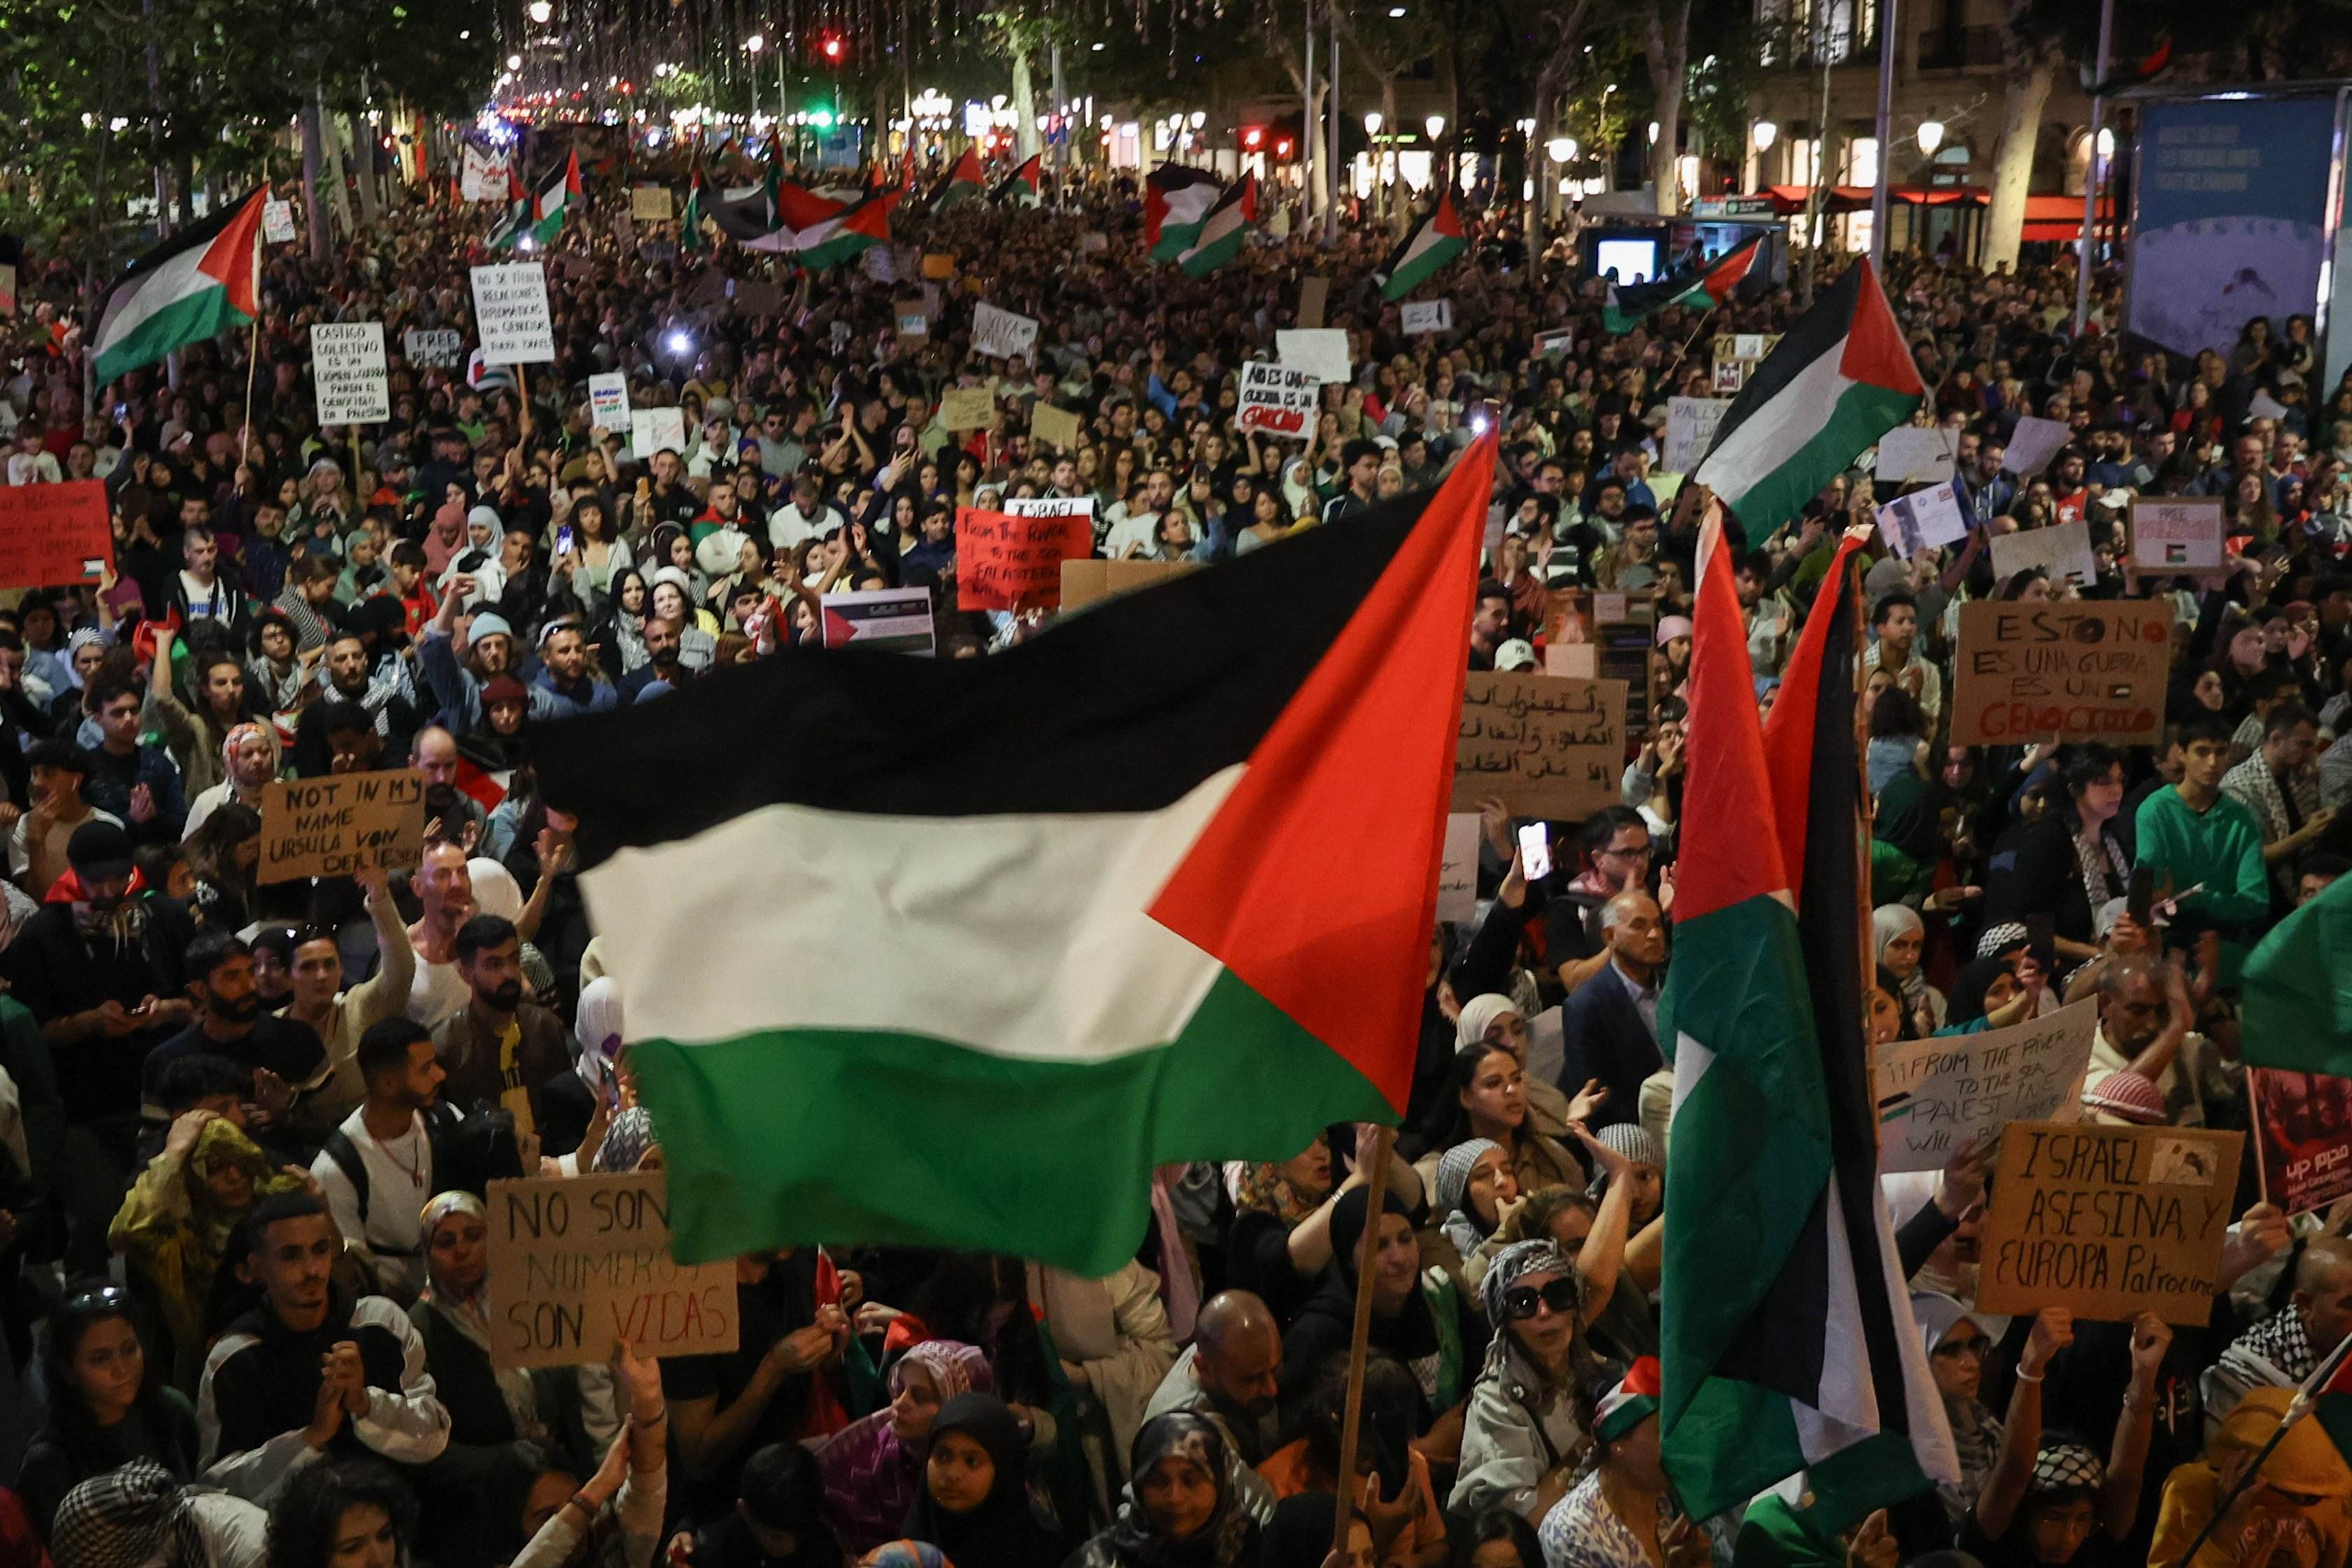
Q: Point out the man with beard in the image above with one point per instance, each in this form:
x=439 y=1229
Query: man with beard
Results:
x=392 y=717
x=498 y=1047
x=374 y=1163
x=664 y=640
x=1231 y=1374
x=565 y=682
x=287 y=1058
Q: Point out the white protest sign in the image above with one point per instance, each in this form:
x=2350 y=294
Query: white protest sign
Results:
x=510 y=313
x=1924 y=520
x=1428 y=316
x=277 y=222
x=2062 y=550
x=1910 y=455
x=1938 y=1094
x=1276 y=400
x=653 y=430
x=1001 y=333
x=879 y=264
x=1457 y=875
x=2177 y=533
x=1051 y=507
x=347 y=372
x=2033 y=444
x=434 y=348
x=1690 y=431
x=608 y=402
x=1320 y=351
x=483 y=176
x=2262 y=405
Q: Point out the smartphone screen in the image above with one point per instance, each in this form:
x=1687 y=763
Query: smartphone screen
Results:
x=563 y=537
x=1535 y=851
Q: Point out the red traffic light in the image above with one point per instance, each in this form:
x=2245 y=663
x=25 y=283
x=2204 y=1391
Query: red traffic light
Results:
x=832 y=48
x=1253 y=137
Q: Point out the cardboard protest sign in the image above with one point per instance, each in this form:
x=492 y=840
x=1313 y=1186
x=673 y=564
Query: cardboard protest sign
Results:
x=510 y=314
x=1550 y=747
x=1690 y=431
x=913 y=315
x=1924 y=520
x=2082 y=669
x=347 y=372
x=939 y=264
x=1421 y=316
x=653 y=430
x=54 y=534
x=1008 y=562
x=2177 y=533
x=1939 y=1094
x=2061 y=550
x=967 y=408
x=1055 y=427
x=2107 y=1222
x=2033 y=444
x=650 y=203
x=1320 y=351
x=1278 y=400
x=277 y=222
x=1314 y=298
x=434 y=348
x=578 y=1264
x=758 y=297
x=342 y=823
x=892 y=620
x=1088 y=581
x=2303 y=1137
x=608 y=402
x=1910 y=455
x=1457 y=871
x=1001 y=333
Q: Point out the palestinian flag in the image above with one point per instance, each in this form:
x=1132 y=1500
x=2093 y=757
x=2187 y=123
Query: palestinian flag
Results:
x=1787 y=1333
x=1841 y=377
x=1176 y=200
x=771 y=220
x=690 y=237
x=201 y=281
x=1701 y=289
x=557 y=200
x=2139 y=73
x=1020 y=186
x=1434 y=241
x=1165 y=909
x=1223 y=231
x=962 y=183
x=2298 y=996
x=516 y=220
x=833 y=239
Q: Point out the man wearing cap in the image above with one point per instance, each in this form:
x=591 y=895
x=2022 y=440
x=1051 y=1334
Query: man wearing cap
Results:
x=459 y=662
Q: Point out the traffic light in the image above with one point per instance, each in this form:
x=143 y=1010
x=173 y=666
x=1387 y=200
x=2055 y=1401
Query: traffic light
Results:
x=1252 y=137
x=834 y=48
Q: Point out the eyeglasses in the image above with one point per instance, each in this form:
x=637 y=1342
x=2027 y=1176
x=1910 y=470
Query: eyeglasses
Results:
x=1520 y=1302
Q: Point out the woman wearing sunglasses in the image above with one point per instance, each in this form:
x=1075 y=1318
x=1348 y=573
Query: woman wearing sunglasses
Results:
x=1520 y=1440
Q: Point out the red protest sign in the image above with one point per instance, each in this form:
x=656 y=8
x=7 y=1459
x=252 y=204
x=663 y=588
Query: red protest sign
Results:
x=52 y=535
x=1004 y=563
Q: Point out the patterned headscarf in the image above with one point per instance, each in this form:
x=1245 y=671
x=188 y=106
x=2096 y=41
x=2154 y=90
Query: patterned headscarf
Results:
x=1540 y=1255
x=1631 y=1140
x=1631 y=1402
x=955 y=1368
x=1132 y=1542
x=127 y=1517
x=2063 y=1466
x=626 y=1140
x=1450 y=1200
x=1261 y=1185
x=238 y=734
x=905 y=1554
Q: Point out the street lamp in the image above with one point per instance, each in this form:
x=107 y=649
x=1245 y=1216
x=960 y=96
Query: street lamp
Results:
x=1931 y=136
x=540 y=10
x=1764 y=134
x=1436 y=123
x=2106 y=143
x=514 y=62
x=1372 y=122
x=1560 y=149
x=1200 y=118
x=756 y=42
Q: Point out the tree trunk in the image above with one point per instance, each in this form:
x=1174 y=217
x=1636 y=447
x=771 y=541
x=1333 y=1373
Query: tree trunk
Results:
x=313 y=172
x=2029 y=67
x=1024 y=102
x=1539 y=164
x=362 y=145
x=1669 y=52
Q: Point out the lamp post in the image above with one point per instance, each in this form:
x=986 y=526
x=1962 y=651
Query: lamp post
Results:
x=1373 y=120
x=753 y=46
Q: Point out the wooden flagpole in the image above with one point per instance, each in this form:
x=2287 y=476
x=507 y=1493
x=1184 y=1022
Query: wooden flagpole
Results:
x=1360 y=1342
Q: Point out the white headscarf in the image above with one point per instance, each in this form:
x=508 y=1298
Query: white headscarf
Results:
x=597 y=1027
x=1478 y=1014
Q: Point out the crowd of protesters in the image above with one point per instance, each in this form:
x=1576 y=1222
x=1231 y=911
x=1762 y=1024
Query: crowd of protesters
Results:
x=247 y=1127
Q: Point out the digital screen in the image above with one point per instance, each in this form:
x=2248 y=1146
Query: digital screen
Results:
x=1634 y=260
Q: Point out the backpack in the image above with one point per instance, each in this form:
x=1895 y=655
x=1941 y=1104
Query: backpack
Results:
x=468 y=1154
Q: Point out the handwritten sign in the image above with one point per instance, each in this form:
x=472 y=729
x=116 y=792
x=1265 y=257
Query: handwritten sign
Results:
x=2177 y=533
x=608 y=402
x=650 y=203
x=434 y=348
x=2033 y=444
x=579 y=1264
x=2107 y=1222
x=2060 y=550
x=1052 y=507
x=1001 y=333
x=482 y=174
x=653 y=430
x=1690 y=431
x=1420 y=316
x=1924 y=520
x=1054 y=427
x=1910 y=455
x=1318 y=351
x=277 y=222
x=348 y=374
x=1457 y=873
x=342 y=823
x=2075 y=671
x=1276 y=400
x=53 y=534
x=2303 y=1137
x=967 y=408
x=1551 y=747
x=510 y=313
x=1089 y=581
x=1937 y=1095
x=1008 y=562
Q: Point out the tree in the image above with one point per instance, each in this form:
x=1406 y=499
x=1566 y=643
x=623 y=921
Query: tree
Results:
x=2032 y=40
x=1556 y=32
x=1384 y=50
x=1665 y=36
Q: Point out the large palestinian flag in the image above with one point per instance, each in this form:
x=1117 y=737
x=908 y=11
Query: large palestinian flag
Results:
x=557 y=200
x=201 y=281
x=690 y=237
x=833 y=239
x=1176 y=199
x=1788 y=1338
x=1223 y=231
x=1700 y=288
x=1433 y=242
x=952 y=952
x=963 y=182
x=1020 y=186
x=1840 y=378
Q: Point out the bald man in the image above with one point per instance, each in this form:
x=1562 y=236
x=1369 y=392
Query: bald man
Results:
x=1231 y=1374
x=2283 y=1349
x=1609 y=1025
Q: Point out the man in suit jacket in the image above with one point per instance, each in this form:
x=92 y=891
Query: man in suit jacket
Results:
x=1609 y=1023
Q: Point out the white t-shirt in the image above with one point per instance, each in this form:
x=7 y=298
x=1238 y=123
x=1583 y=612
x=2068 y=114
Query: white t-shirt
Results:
x=400 y=1178
x=788 y=525
x=40 y=468
x=437 y=992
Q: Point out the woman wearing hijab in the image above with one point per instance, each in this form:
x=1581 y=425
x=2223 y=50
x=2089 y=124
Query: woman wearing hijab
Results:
x=1900 y=939
x=1519 y=1436
x=2293 y=1511
x=974 y=1505
x=1955 y=1345
x=873 y=1467
x=1186 y=1513
x=250 y=762
x=2002 y=987
x=575 y=1110
x=1474 y=1183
